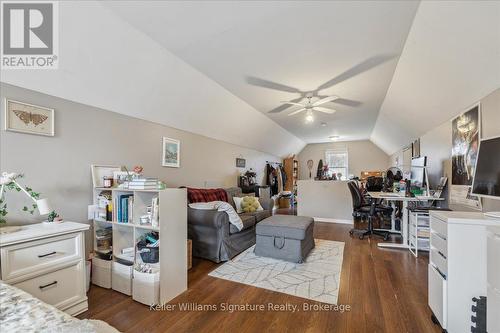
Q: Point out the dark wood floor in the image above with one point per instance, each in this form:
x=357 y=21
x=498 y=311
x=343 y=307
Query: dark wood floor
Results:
x=386 y=290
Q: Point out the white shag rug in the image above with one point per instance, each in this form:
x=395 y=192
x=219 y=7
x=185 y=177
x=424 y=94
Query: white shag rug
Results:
x=317 y=279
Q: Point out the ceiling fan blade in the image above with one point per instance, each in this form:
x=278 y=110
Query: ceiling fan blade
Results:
x=325 y=110
x=357 y=69
x=255 y=81
x=297 y=111
x=283 y=107
x=343 y=101
x=325 y=100
x=293 y=103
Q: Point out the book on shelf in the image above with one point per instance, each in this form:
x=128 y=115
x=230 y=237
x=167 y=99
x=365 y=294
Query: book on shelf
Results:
x=143 y=184
x=143 y=187
x=122 y=204
x=154 y=212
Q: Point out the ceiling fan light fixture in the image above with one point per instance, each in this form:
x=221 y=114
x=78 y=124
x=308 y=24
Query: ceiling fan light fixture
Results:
x=334 y=137
x=309 y=117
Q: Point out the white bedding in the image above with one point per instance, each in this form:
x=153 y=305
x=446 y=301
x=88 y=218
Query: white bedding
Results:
x=21 y=312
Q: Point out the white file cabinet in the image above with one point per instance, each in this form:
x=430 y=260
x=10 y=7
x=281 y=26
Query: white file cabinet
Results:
x=457 y=266
x=47 y=261
x=493 y=307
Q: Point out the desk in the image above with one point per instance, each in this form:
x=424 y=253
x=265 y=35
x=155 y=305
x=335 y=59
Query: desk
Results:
x=392 y=198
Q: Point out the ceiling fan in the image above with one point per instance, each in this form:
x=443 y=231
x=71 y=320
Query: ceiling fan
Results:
x=310 y=106
x=349 y=73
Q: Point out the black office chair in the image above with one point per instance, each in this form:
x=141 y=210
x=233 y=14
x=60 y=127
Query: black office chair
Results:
x=365 y=211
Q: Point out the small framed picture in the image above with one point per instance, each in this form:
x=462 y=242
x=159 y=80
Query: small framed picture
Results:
x=28 y=118
x=171 y=153
x=240 y=162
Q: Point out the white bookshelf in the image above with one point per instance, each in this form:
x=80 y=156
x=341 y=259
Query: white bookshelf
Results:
x=172 y=229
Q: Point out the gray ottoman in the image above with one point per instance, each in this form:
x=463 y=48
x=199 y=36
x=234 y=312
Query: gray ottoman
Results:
x=285 y=237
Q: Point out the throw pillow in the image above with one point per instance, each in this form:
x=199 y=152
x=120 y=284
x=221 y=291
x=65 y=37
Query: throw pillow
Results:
x=250 y=204
x=237 y=204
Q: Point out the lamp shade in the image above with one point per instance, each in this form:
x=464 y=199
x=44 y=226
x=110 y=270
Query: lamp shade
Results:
x=43 y=206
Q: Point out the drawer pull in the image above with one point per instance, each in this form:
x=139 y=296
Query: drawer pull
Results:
x=48 y=285
x=46 y=255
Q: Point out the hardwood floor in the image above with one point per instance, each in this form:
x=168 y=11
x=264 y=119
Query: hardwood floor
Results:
x=385 y=289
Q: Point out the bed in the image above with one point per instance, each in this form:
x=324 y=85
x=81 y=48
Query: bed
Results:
x=21 y=312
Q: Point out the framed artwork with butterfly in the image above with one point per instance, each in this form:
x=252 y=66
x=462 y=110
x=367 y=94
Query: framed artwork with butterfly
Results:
x=28 y=118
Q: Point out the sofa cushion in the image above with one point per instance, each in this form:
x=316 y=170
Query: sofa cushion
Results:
x=248 y=222
x=233 y=192
x=206 y=195
x=288 y=226
x=259 y=215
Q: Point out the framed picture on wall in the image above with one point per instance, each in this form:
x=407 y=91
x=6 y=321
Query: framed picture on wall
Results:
x=28 y=118
x=171 y=153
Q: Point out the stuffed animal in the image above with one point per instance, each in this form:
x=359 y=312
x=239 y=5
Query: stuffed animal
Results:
x=250 y=204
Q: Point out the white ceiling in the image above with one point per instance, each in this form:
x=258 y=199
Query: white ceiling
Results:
x=450 y=61
x=354 y=45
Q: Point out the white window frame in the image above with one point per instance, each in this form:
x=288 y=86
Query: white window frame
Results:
x=338 y=151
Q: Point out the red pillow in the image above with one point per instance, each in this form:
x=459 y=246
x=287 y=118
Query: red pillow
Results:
x=206 y=195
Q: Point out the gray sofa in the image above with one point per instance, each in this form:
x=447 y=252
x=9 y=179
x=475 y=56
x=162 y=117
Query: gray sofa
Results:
x=215 y=239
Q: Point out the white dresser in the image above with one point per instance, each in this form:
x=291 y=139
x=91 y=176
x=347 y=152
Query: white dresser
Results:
x=493 y=243
x=47 y=261
x=457 y=266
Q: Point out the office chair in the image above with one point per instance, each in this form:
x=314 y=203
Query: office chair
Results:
x=374 y=184
x=365 y=211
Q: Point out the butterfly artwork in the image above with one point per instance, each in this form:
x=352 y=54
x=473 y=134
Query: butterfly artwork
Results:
x=28 y=118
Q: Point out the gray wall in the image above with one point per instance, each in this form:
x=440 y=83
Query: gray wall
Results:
x=59 y=166
x=436 y=144
x=363 y=156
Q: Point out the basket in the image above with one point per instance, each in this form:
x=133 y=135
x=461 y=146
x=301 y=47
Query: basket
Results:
x=149 y=255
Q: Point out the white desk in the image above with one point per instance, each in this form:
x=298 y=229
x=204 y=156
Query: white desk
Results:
x=392 y=198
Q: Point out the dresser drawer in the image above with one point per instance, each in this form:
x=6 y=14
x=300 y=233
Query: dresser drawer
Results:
x=493 y=266
x=439 y=244
x=38 y=256
x=439 y=262
x=439 y=227
x=437 y=296
x=61 y=288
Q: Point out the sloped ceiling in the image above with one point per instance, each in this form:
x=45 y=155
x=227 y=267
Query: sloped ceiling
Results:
x=107 y=63
x=349 y=48
x=400 y=67
x=451 y=60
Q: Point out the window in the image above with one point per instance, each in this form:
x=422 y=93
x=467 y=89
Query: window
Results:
x=337 y=161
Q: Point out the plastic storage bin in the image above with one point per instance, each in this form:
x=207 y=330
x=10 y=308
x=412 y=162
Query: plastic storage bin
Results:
x=122 y=278
x=101 y=272
x=146 y=287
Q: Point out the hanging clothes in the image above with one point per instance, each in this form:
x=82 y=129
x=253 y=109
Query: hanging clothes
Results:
x=272 y=178
x=279 y=175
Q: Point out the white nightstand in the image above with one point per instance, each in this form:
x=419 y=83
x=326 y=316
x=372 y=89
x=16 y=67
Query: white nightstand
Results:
x=47 y=261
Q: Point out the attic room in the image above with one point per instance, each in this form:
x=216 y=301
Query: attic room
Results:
x=213 y=166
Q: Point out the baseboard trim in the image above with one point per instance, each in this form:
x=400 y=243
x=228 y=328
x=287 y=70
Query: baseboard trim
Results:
x=327 y=220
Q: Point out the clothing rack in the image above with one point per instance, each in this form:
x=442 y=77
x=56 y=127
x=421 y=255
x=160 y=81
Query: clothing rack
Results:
x=274 y=163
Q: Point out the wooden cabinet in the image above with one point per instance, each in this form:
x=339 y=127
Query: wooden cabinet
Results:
x=291 y=166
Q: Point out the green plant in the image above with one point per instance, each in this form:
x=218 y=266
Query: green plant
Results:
x=52 y=216
x=14 y=187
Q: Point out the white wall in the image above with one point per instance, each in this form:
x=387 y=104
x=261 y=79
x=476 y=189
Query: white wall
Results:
x=363 y=156
x=59 y=166
x=107 y=63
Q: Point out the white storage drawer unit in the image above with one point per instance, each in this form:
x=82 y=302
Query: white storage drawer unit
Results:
x=493 y=307
x=47 y=261
x=457 y=267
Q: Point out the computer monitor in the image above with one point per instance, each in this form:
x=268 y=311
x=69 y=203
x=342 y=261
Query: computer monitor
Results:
x=418 y=165
x=486 y=182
